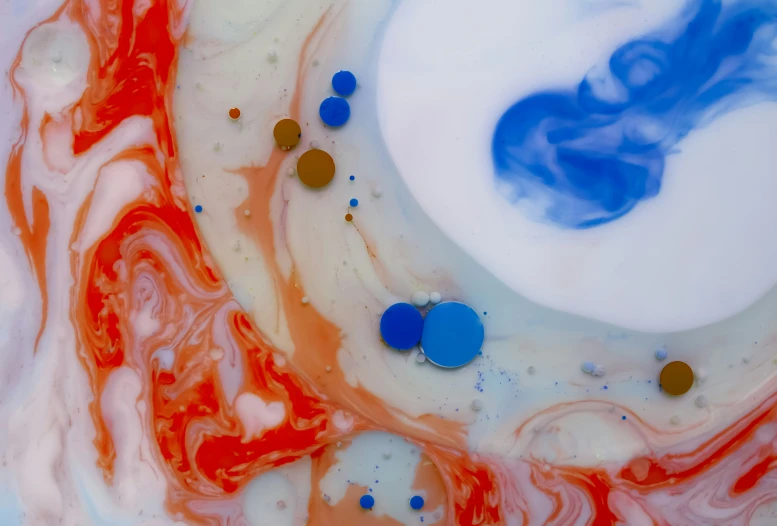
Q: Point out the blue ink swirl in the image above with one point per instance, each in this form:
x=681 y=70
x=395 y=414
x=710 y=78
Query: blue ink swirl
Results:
x=585 y=156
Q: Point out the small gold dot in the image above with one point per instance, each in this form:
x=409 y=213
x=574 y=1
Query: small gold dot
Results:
x=234 y=114
x=348 y=217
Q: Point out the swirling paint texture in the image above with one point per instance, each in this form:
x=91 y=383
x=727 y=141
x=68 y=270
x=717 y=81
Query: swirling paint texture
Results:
x=129 y=293
x=586 y=156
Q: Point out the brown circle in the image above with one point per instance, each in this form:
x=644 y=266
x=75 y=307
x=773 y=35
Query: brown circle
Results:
x=234 y=114
x=316 y=168
x=348 y=217
x=676 y=378
x=287 y=133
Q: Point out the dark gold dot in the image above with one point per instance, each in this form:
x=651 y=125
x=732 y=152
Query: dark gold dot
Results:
x=316 y=168
x=676 y=378
x=348 y=217
x=287 y=133
x=234 y=114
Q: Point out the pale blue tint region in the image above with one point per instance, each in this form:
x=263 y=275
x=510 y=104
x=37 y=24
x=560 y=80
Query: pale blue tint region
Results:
x=587 y=155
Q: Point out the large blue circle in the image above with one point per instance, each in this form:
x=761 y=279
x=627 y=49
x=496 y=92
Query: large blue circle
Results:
x=453 y=334
x=417 y=502
x=344 y=83
x=401 y=326
x=367 y=502
x=334 y=111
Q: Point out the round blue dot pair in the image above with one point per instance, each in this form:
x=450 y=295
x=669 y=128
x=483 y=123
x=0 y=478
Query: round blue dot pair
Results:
x=344 y=83
x=198 y=208
x=354 y=202
x=334 y=111
x=367 y=502
x=417 y=502
x=401 y=326
x=452 y=334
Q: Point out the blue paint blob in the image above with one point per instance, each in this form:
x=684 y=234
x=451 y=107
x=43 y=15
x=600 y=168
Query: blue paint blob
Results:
x=352 y=178
x=344 y=83
x=595 y=150
x=401 y=326
x=354 y=202
x=623 y=417
x=367 y=502
x=452 y=335
x=334 y=111
x=661 y=354
x=417 y=502
x=198 y=208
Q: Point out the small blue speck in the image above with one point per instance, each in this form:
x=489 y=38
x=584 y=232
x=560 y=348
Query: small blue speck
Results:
x=352 y=178
x=344 y=83
x=367 y=502
x=198 y=208
x=605 y=387
x=354 y=202
x=623 y=417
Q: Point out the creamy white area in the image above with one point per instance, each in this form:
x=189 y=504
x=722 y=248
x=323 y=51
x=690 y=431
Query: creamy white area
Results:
x=256 y=415
x=279 y=497
x=700 y=252
x=385 y=464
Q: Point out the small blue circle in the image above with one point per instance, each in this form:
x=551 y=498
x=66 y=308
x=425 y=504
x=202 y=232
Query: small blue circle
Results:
x=352 y=178
x=198 y=208
x=417 y=502
x=344 y=83
x=353 y=202
x=623 y=417
x=367 y=502
x=401 y=326
x=334 y=111
x=452 y=335
x=661 y=354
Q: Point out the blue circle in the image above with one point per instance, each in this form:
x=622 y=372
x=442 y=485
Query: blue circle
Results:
x=344 y=83
x=334 y=111
x=401 y=326
x=198 y=208
x=352 y=178
x=453 y=334
x=417 y=502
x=367 y=502
x=354 y=202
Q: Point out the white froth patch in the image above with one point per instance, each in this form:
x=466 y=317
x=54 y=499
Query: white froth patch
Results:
x=698 y=253
x=256 y=415
x=386 y=464
x=280 y=497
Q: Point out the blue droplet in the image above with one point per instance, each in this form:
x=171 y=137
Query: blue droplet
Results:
x=452 y=334
x=661 y=354
x=623 y=417
x=593 y=150
x=367 y=502
x=417 y=502
x=198 y=208
x=353 y=202
x=605 y=387
x=344 y=83
x=352 y=178
x=401 y=326
x=334 y=111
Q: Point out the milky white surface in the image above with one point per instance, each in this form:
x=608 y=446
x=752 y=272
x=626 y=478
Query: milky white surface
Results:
x=698 y=253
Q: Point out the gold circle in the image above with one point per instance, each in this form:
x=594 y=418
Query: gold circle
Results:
x=348 y=217
x=287 y=133
x=234 y=113
x=676 y=378
x=316 y=168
